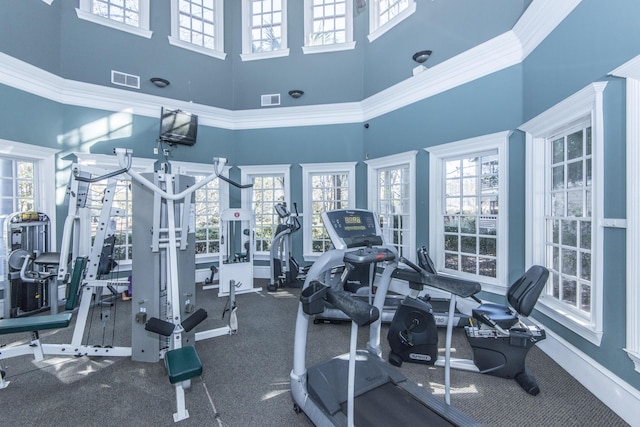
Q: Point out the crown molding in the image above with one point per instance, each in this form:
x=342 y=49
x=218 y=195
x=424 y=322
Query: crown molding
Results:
x=503 y=51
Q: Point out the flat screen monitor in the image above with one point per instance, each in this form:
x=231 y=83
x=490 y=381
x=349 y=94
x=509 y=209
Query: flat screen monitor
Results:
x=178 y=127
x=349 y=228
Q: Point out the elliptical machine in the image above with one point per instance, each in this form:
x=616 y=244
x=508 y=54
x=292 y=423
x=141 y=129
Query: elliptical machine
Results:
x=500 y=337
x=285 y=270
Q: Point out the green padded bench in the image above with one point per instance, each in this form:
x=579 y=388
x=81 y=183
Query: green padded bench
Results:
x=182 y=364
x=34 y=323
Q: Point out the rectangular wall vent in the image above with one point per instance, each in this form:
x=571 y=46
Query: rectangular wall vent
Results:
x=270 y=100
x=123 y=79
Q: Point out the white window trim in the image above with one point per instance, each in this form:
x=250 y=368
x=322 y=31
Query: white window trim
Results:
x=586 y=102
x=188 y=168
x=84 y=12
x=437 y=154
x=246 y=54
x=374 y=30
x=329 y=168
x=631 y=71
x=400 y=159
x=174 y=38
x=46 y=164
x=246 y=172
x=349 y=44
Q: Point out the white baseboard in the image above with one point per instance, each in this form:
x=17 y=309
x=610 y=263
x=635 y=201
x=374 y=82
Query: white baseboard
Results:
x=614 y=392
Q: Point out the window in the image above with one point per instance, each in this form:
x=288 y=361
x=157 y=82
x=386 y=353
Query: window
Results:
x=564 y=179
x=326 y=187
x=328 y=25
x=264 y=24
x=468 y=216
x=386 y=14
x=126 y=15
x=198 y=25
x=391 y=191
x=210 y=201
x=270 y=187
x=121 y=224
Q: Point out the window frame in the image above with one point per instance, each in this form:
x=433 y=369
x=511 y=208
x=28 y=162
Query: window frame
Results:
x=84 y=12
x=375 y=29
x=140 y=164
x=349 y=43
x=247 y=54
x=309 y=169
x=374 y=166
x=174 y=39
x=247 y=174
x=587 y=102
x=44 y=169
x=437 y=156
x=204 y=169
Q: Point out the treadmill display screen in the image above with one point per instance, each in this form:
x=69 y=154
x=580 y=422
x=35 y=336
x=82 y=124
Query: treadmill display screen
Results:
x=354 y=227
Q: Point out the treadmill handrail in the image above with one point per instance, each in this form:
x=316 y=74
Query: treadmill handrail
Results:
x=358 y=310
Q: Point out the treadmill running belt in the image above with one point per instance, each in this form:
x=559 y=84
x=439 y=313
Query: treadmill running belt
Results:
x=390 y=405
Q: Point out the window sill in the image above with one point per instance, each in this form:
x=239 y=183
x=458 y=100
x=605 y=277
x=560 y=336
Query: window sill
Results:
x=113 y=24
x=553 y=309
x=395 y=21
x=198 y=49
x=264 y=55
x=309 y=50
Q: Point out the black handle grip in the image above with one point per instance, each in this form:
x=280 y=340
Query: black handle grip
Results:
x=358 y=310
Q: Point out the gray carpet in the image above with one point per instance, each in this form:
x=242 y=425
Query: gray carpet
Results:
x=246 y=378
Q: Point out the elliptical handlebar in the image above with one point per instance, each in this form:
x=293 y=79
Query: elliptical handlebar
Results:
x=461 y=287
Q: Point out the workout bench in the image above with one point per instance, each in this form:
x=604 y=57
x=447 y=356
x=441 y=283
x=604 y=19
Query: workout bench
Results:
x=29 y=324
x=182 y=363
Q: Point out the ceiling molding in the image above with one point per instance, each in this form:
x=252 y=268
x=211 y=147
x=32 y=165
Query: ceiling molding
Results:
x=503 y=51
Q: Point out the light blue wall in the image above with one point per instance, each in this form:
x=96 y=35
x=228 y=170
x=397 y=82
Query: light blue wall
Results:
x=597 y=37
x=593 y=40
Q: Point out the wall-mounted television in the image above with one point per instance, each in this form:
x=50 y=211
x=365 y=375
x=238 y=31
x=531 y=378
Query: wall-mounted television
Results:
x=178 y=127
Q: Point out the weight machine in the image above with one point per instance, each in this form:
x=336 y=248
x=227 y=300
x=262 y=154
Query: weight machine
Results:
x=163 y=273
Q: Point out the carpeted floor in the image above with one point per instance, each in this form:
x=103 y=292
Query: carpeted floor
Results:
x=245 y=379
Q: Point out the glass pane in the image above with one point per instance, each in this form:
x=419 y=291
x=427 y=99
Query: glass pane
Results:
x=558 y=150
x=557 y=177
x=487 y=246
x=569 y=262
x=574 y=174
x=557 y=204
x=451 y=223
x=450 y=242
x=585 y=234
x=569 y=291
x=585 y=298
x=468 y=264
x=487 y=267
x=574 y=145
x=574 y=203
x=585 y=266
x=468 y=224
x=453 y=187
x=468 y=244
x=569 y=233
x=451 y=261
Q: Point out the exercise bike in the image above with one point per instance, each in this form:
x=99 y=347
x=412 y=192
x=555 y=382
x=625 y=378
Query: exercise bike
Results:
x=500 y=337
x=285 y=270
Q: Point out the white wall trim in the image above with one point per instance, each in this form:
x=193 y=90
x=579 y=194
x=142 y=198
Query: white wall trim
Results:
x=504 y=51
x=614 y=392
x=631 y=71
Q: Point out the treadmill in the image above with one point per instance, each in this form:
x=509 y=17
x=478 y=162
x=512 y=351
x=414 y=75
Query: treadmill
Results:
x=357 y=388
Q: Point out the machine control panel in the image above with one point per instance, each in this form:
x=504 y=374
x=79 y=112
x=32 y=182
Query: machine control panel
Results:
x=369 y=255
x=352 y=228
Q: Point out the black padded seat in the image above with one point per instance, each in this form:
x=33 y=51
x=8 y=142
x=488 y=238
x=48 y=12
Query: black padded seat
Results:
x=495 y=314
x=522 y=295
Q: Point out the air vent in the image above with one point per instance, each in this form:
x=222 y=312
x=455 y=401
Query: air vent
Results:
x=270 y=100
x=124 y=79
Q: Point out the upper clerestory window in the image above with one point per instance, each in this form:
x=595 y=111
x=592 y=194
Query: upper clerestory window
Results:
x=328 y=25
x=198 y=25
x=386 y=14
x=131 y=16
x=264 y=29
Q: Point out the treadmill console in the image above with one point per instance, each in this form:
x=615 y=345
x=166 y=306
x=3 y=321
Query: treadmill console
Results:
x=369 y=255
x=352 y=228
